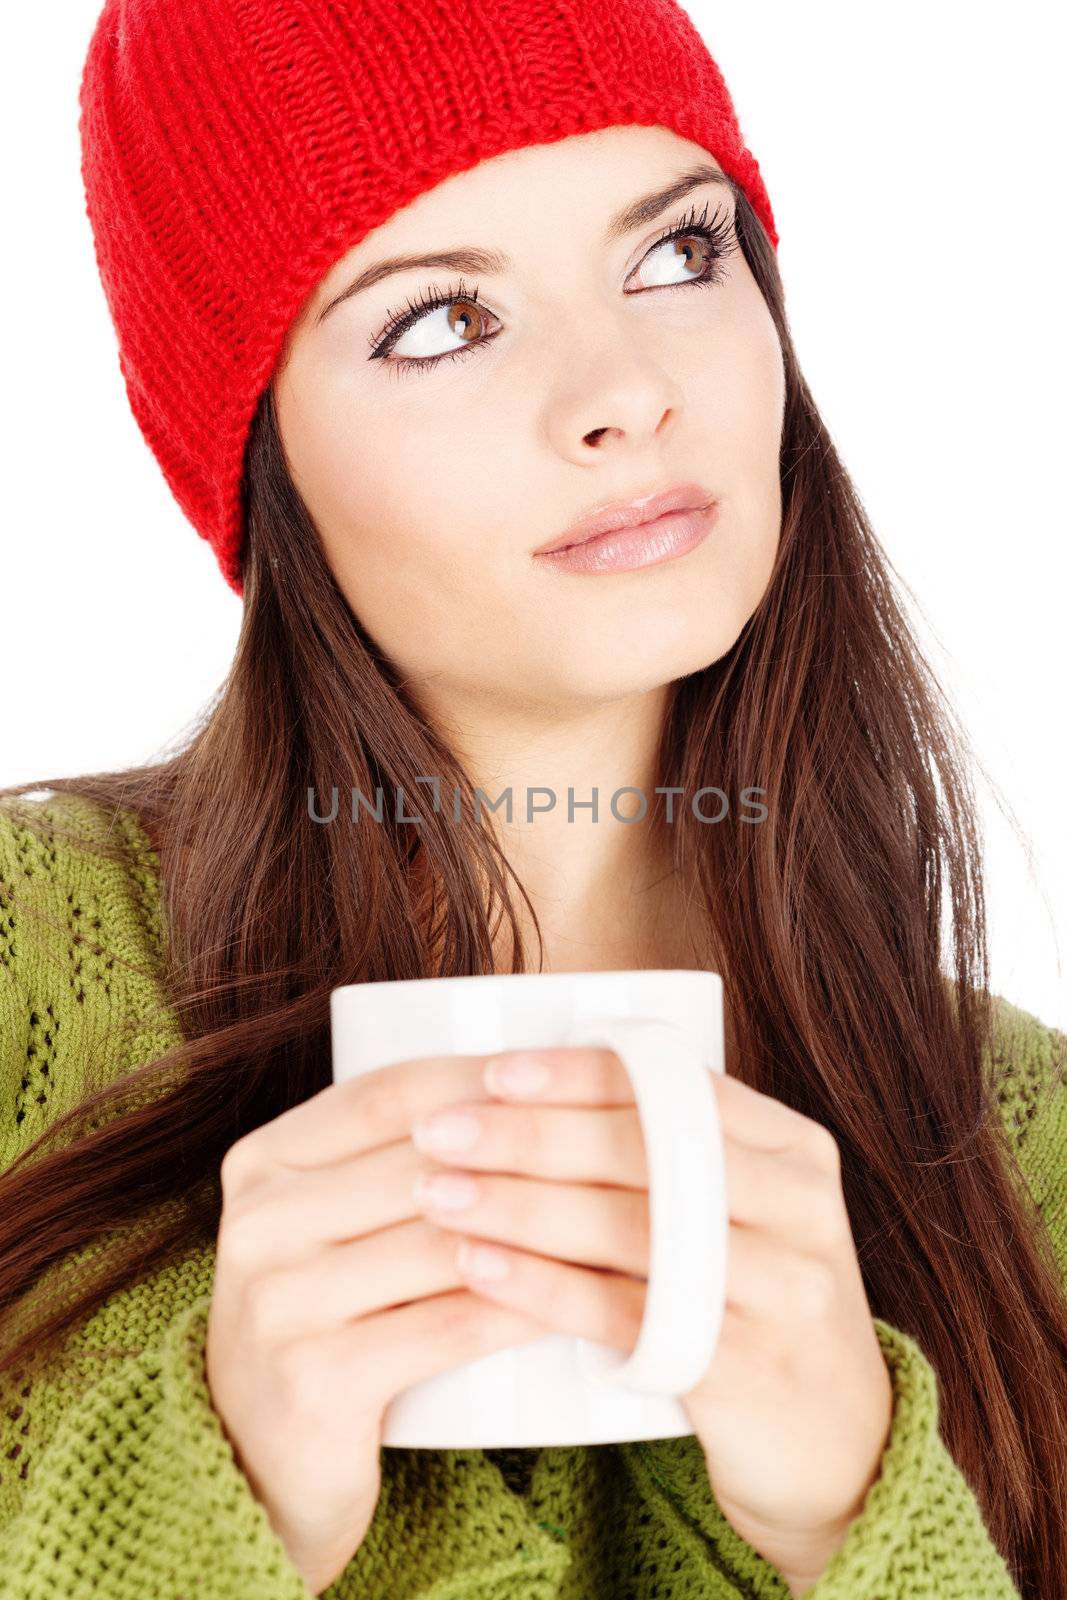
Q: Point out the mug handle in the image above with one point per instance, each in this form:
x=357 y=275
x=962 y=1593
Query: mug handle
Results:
x=689 y=1222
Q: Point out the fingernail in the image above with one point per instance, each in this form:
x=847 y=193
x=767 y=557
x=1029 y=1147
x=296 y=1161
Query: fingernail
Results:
x=449 y=1130
x=482 y=1261
x=516 y=1074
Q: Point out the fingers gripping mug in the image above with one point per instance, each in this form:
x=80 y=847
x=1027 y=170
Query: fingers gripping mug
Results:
x=667 y=1029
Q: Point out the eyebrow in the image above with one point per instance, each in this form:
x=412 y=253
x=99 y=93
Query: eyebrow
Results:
x=469 y=258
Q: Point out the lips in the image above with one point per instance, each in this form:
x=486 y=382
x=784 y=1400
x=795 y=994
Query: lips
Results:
x=631 y=513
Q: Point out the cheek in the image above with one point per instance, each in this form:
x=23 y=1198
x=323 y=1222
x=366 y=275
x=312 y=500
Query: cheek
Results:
x=379 y=520
x=742 y=411
x=737 y=400
x=409 y=572
x=393 y=509
x=742 y=384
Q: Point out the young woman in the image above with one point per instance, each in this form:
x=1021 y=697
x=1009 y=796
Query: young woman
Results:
x=405 y=296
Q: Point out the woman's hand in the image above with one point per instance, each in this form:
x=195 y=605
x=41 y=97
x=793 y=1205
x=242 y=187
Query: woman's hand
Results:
x=794 y=1410
x=332 y=1294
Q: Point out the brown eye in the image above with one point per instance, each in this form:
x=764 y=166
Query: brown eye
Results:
x=422 y=335
x=463 y=317
x=692 y=248
x=690 y=244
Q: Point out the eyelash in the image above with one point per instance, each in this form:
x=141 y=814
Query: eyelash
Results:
x=716 y=234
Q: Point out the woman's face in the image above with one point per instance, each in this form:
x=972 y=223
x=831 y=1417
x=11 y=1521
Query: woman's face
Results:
x=592 y=367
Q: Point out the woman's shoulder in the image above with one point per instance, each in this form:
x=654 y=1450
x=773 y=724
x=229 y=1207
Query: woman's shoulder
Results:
x=1030 y=1087
x=80 y=951
x=1029 y=1059
x=88 y=868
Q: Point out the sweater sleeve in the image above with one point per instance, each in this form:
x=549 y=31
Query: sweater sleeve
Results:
x=116 y=1476
x=920 y=1534
x=138 y=1493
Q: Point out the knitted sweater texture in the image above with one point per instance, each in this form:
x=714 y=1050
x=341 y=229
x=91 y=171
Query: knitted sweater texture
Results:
x=117 y=1479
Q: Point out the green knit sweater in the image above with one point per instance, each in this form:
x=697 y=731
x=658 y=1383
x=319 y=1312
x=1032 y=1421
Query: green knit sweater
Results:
x=116 y=1476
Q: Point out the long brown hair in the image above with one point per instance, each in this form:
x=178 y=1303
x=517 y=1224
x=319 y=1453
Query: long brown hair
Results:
x=829 y=926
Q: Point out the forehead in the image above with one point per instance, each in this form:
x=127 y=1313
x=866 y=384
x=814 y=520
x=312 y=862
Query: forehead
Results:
x=605 y=167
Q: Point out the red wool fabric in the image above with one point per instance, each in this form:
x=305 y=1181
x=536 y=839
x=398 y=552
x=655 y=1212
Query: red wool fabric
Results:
x=233 y=150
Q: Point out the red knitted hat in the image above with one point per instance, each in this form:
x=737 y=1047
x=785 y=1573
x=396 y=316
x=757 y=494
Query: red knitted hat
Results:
x=233 y=150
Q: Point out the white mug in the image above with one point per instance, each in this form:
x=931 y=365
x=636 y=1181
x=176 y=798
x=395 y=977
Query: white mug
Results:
x=667 y=1028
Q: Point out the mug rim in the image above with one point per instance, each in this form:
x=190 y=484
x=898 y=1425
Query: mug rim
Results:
x=686 y=976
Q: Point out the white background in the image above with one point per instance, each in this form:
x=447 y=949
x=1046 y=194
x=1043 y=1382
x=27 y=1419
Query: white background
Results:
x=913 y=157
